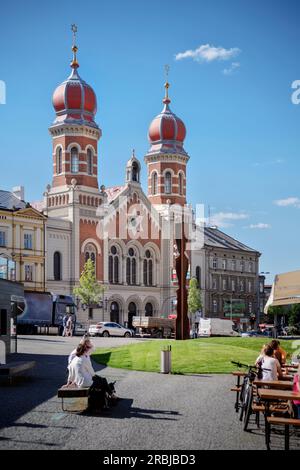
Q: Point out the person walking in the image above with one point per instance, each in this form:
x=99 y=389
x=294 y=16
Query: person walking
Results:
x=69 y=326
x=64 y=324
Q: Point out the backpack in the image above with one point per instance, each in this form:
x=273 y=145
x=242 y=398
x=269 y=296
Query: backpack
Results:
x=99 y=397
x=259 y=373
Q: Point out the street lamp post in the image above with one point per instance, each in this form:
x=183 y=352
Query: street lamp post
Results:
x=258 y=297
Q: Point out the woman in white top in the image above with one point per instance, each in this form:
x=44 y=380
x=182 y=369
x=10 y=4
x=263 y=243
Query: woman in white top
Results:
x=81 y=371
x=89 y=348
x=266 y=361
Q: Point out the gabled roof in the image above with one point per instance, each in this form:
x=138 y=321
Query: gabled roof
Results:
x=9 y=201
x=31 y=212
x=215 y=238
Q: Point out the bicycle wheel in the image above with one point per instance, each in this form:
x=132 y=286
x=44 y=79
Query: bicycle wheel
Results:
x=248 y=406
x=243 y=396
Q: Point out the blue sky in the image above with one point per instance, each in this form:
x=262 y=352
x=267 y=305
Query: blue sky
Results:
x=242 y=127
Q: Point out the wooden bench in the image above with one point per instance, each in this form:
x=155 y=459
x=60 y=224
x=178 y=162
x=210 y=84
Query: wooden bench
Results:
x=13 y=368
x=71 y=392
x=260 y=408
x=286 y=422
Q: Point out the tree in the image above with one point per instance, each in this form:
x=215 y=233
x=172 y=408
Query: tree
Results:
x=276 y=310
x=294 y=316
x=89 y=291
x=194 y=298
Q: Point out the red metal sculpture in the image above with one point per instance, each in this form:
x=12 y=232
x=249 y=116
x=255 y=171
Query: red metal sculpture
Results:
x=182 y=264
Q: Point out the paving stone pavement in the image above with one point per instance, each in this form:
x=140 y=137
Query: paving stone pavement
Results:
x=156 y=412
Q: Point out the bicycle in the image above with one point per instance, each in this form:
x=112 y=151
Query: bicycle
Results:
x=246 y=394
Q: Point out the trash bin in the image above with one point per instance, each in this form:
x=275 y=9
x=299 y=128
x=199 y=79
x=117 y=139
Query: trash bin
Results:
x=165 y=360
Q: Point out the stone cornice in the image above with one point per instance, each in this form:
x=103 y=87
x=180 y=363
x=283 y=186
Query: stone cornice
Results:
x=162 y=157
x=59 y=130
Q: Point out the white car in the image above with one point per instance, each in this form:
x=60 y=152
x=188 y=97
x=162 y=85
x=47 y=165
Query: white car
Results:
x=79 y=329
x=109 y=329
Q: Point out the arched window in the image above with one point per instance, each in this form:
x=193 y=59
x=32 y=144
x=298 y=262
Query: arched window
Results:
x=180 y=182
x=113 y=266
x=132 y=311
x=114 y=312
x=57 y=266
x=168 y=183
x=148 y=269
x=135 y=172
x=59 y=161
x=131 y=267
x=74 y=160
x=154 y=183
x=90 y=253
x=89 y=162
x=198 y=276
x=148 y=310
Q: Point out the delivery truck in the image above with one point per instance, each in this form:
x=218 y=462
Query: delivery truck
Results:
x=44 y=309
x=154 y=327
x=216 y=327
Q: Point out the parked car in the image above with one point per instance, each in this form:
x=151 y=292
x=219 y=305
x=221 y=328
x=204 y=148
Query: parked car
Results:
x=109 y=329
x=247 y=334
x=79 y=330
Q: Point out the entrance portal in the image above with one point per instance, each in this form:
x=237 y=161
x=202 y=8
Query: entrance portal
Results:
x=149 y=310
x=131 y=313
x=114 y=312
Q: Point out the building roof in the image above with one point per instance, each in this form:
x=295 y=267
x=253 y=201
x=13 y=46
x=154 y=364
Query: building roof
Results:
x=216 y=239
x=113 y=192
x=9 y=201
x=38 y=205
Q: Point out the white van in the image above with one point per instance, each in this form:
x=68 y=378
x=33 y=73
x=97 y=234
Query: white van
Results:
x=216 y=327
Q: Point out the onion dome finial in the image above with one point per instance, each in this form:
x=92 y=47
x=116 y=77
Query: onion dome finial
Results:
x=74 y=100
x=166 y=99
x=74 y=64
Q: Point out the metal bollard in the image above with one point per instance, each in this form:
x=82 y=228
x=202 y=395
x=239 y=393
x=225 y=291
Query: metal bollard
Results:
x=165 y=360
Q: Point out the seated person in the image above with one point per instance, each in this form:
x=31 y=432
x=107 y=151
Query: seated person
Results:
x=279 y=353
x=296 y=388
x=82 y=374
x=267 y=361
x=85 y=341
x=81 y=371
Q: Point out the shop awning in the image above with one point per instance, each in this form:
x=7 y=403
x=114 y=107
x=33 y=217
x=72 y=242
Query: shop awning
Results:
x=285 y=290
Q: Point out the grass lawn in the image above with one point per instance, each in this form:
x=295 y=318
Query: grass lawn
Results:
x=202 y=355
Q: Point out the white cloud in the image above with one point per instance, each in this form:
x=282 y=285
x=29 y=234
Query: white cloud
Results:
x=260 y=226
x=278 y=161
x=230 y=71
x=288 y=202
x=224 y=219
x=207 y=53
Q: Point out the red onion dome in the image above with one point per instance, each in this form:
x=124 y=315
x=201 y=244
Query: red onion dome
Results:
x=167 y=131
x=167 y=126
x=74 y=100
